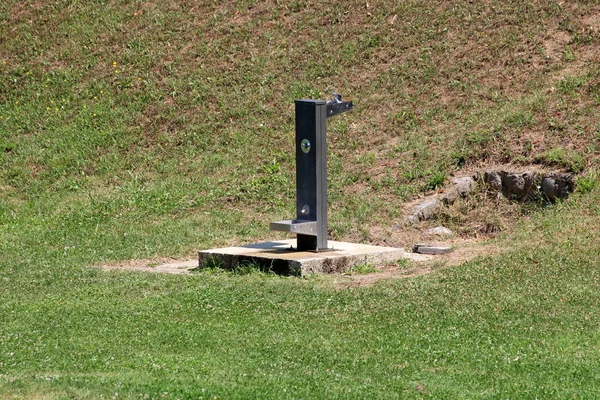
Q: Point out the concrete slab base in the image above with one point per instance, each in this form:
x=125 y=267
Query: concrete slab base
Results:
x=281 y=257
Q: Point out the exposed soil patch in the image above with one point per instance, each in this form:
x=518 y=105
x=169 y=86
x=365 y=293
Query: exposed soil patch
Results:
x=591 y=21
x=464 y=251
x=555 y=42
x=160 y=265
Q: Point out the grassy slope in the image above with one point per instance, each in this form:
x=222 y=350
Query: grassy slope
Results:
x=186 y=109
x=145 y=129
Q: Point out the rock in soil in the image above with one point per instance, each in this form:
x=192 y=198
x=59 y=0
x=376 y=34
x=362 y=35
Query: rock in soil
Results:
x=431 y=249
x=439 y=231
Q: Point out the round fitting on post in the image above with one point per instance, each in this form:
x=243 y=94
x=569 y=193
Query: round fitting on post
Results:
x=305 y=145
x=305 y=210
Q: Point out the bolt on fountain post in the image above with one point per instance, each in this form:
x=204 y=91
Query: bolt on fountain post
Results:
x=310 y=224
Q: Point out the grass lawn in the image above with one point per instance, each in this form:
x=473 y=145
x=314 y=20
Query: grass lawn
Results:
x=523 y=324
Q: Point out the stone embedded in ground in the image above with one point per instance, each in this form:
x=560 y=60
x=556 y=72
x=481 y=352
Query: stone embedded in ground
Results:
x=426 y=209
x=463 y=186
x=493 y=179
x=556 y=185
x=439 y=231
x=513 y=185
x=408 y=220
x=450 y=196
x=431 y=249
x=519 y=185
x=423 y=211
x=550 y=188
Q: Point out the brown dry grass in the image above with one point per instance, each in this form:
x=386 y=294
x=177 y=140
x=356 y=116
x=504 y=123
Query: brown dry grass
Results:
x=439 y=87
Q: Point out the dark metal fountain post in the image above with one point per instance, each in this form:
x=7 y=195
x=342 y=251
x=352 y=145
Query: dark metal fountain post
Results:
x=310 y=224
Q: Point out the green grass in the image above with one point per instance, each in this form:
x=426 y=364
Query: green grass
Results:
x=524 y=324
x=153 y=129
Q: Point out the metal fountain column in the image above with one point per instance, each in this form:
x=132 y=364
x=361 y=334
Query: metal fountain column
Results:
x=310 y=224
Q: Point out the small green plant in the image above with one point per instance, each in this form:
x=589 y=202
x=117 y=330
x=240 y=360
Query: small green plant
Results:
x=406 y=119
x=570 y=85
x=8 y=147
x=519 y=119
x=459 y=157
x=412 y=173
x=245 y=267
x=588 y=182
x=436 y=180
x=251 y=267
x=405 y=192
x=478 y=138
x=470 y=146
x=272 y=167
x=3 y=213
x=568 y=54
x=211 y=263
x=363 y=268
x=569 y=159
x=367 y=159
